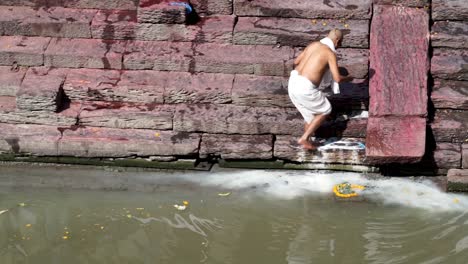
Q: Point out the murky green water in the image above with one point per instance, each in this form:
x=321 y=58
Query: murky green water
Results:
x=256 y=223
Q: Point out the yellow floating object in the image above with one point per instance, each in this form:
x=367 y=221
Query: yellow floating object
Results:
x=28 y=225
x=347 y=190
x=65 y=237
x=185 y=202
x=180 y=207
x=224 y=194
x=456 y=200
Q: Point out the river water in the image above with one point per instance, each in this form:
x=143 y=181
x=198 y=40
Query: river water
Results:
x=239 y=216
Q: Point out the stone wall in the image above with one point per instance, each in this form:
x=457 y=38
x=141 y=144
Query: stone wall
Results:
x=147 y=81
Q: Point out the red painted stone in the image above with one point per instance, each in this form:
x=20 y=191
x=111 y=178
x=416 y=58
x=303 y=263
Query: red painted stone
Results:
x=356 y=9
x=465 y=156
x=7 y=103
x=114 y=24
x=84 y=53
x=450 y=64
x=10 y=80
x=90 y=4
x=298 y=32
x=447 y=156
x=450 y=34
x=237 y=146
x=161 y=12
x=395 y=139
x=41 y=89
x=450 y=94
x=111 y=142
x=399 y=61
x=449 y=10
x=38 y=140
x=25 y=51
x=216 y=29
x=450 y=126
x=158 y=55
x=212 y=7
x=50 y=22
x=244 y=59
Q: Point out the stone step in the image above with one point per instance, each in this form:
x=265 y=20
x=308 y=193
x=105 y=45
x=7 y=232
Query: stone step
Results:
x=450 y=34
x=449 y=10
x=23 y=51
x=450 y=126
x=343 y=151
x=298 y=32
x=50 y=22
x=450 y=64
x=92 y=142
x=349 y=9
x=90 y=4
x=236 y=146
x=232 y=119
x=457 y=180
x=10 y=80
x=450 y=94
x=395 y=139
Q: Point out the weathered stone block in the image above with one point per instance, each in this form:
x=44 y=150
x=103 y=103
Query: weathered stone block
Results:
x=7 y=103
x=41 y=90
x=162 y=56
x=450 y=64
x=161 y=12
x=110 y=142
x=395 y=139
x=10 y=80
x=287 y=148
x=212 y=7
x=465 y=156
x=35 y=117
x=357 y=9
x=447 y=156
x=399 y=38
x=252 y=90
x=90 y=4
x=450 y=94
x=25 y=51
x=298 y=32
x=457 y=180
x=229 y=119
x=114 y=24
x=198 y=88
x=216 y=29
x=29 y=139
x=160 y=117
x=50 y=22
x=246 y=59
x=450 y=126
x=410 y=3
x=451 y=34
x=85 y=53
x=449 y=10
x=237 y=146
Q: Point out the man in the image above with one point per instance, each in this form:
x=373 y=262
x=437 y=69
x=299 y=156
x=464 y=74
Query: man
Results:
x=311 y=65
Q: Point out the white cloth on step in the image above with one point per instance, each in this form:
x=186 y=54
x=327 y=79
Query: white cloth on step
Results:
x=306 y=97
x=327 y=76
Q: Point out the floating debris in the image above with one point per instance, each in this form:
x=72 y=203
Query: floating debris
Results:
x=180 y=207
x=347 y=190
x=28 y=225
x=22 y=204
x=3 y=211
x=224 y=194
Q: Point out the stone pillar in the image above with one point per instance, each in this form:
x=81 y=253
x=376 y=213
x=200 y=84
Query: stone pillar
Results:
x=399 y=64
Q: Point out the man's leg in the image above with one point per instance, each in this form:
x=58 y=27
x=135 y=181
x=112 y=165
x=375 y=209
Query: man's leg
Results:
x=310 y=129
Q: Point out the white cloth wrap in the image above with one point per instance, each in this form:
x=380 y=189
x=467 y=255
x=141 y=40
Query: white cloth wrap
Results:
x=327 y=76
x=306 y=97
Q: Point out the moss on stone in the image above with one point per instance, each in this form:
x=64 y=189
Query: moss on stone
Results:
x=251 y=164
x=457 y=187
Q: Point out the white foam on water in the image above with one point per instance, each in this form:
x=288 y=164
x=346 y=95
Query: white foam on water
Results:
x=291 y=184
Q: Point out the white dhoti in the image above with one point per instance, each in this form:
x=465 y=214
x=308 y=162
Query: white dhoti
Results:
x=306 y=97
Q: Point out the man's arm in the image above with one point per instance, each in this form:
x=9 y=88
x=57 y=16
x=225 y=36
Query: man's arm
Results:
x=333 y=64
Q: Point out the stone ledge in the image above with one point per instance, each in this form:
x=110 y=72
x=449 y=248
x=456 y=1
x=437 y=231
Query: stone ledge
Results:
x=298 y=32
x=450 y=94
x=450 y=34
x=356 y=9
x=24 y=51
x=450 y=64
x=457 y=180
x=237 y=146
x=50 y=22
x=29 y=139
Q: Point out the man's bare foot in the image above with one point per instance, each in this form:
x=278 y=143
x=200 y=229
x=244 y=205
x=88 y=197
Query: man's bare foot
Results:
x=306 y=144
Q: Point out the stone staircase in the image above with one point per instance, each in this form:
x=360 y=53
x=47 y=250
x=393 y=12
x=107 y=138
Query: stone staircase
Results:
x=144 y=79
